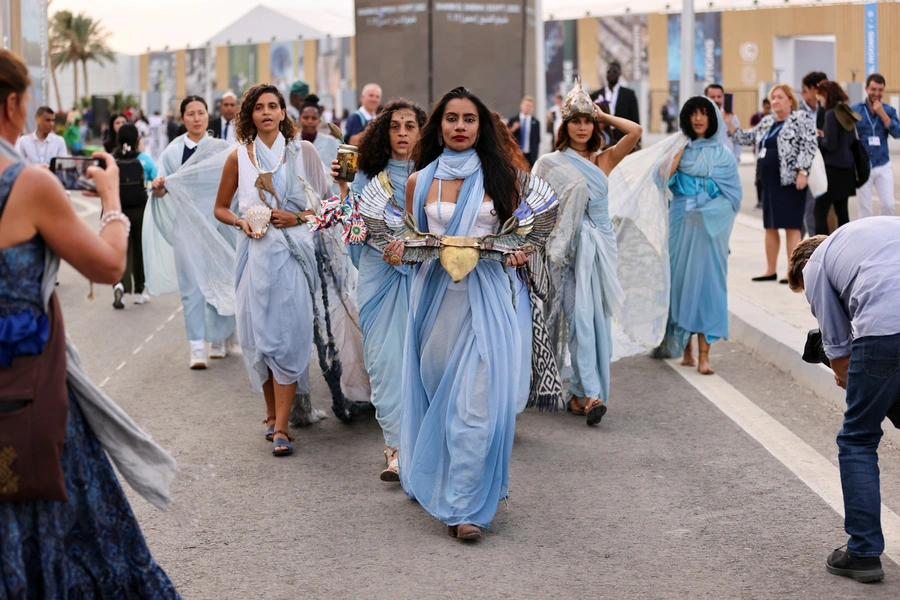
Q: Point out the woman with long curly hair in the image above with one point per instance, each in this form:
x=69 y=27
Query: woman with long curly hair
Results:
x=582 y=249
x=275 y=269
x=463 y=358
x=383 y=289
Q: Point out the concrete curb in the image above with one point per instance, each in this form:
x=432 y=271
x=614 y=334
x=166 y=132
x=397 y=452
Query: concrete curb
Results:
x=775 y=342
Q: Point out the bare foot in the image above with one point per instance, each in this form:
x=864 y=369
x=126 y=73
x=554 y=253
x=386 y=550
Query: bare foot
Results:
x=688 y=359
x=705 y=368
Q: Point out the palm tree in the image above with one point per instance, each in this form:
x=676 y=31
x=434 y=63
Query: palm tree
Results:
x=64 y=48
x=92 y=43
x=77 y=39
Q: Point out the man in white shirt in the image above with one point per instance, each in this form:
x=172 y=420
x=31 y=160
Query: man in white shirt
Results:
x=39 y=147
x=716 y=93
x=223 y=126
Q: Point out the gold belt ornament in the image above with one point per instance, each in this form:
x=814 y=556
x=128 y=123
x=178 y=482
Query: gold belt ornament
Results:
x=459 y=255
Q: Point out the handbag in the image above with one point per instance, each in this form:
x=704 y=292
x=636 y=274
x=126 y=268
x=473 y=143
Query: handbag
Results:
x=860 y=161
x=34 y=410
x=818 y=178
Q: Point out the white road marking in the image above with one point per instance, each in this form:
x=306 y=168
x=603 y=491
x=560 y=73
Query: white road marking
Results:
x=172 y=316
x=809 y=466
x=102 y=383
x=138 y=349
x=119 y=368
x=149 y=337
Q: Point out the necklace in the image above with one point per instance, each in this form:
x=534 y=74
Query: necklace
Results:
x=266 y=180
x=256 y=158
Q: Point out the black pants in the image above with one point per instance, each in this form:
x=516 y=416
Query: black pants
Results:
x=841 y=185
x=757 y=181
x=135 y=256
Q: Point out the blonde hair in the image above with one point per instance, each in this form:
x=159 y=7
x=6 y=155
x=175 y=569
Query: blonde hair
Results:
x=788 y=91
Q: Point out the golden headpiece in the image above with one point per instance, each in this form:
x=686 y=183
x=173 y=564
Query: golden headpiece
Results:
x=578 y=102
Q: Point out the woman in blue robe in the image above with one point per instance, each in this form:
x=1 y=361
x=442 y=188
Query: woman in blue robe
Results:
x=582 y=249
x=706 y=195
x=383 y=289
x=275 y=269
x=462 y=361
x=201 y=247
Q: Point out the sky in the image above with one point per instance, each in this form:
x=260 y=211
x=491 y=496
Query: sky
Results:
x=136 y=25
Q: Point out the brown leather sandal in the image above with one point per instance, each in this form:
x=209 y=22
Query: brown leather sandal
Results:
x=392 y=472
x=468 y=532
x=594 y=408
x=575 y=406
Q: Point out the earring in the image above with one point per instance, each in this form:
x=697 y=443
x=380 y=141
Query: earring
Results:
x=440 y=140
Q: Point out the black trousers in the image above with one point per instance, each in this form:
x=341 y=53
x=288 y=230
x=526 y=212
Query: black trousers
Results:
x=135 y=256
x=841 y=185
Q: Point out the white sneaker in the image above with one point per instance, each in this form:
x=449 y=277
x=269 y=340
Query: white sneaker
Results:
x=198 y=358
x=118 y=292
x=233 y=345
x=217 y=350
x=143 y=298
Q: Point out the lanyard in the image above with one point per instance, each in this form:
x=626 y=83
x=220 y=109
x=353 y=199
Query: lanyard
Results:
x=869 y=117
x=773 y=131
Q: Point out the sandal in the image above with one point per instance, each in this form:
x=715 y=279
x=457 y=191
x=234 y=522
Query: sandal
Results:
x=574 y=406
x=282 y=443
x=270 y=430
x=392 y=472
x=594 y=409
x=464 y=532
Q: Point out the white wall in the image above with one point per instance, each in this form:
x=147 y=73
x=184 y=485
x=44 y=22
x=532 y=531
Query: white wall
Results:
x=121 y=76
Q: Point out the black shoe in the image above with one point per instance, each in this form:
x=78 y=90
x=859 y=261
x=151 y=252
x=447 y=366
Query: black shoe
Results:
x=772 y=277
x=783 y=281
x=863 y=569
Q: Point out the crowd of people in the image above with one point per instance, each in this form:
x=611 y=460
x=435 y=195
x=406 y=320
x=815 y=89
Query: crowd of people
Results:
x=454 y=279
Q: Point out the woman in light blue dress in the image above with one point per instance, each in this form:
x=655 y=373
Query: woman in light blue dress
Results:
x=462 y=361
x=582 y=250
x=383 y=289
x=275 y=269
x=207 y=315
x=707 y=193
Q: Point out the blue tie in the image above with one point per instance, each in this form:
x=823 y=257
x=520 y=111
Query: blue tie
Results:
x=225 y=133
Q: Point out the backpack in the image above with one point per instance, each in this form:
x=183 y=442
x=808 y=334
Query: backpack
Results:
x=132 y=190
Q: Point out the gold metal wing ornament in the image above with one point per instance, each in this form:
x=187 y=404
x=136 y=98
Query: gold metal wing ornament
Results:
x=526 y=230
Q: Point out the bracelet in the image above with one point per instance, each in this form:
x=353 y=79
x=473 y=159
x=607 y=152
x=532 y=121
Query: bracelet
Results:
x=235 y=225
x=114 y=216
x=299 y=218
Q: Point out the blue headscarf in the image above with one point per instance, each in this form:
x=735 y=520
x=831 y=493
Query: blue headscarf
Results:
x=708 y=158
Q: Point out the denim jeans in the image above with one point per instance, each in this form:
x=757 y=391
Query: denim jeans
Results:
x=873 y=386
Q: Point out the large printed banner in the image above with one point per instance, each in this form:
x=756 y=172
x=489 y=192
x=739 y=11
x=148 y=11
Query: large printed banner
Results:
x=707 y=57
x=197 y=75
x=282 y=63
x=162 y=82
x=871 y=38
x=242 y=68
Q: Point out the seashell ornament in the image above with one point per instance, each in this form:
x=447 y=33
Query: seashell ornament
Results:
x=258 y=218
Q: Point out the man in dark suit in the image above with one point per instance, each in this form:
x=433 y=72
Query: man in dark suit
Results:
x=527 y=130
x=622 y=100
x=223 y=125
x=810 y=103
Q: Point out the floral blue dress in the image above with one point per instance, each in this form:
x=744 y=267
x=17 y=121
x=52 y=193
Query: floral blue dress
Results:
x=90 y=546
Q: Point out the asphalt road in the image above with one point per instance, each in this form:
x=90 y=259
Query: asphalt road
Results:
x=667 y=498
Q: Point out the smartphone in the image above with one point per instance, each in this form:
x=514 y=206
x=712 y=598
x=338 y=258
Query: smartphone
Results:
x=729 y=103
x=72 y=172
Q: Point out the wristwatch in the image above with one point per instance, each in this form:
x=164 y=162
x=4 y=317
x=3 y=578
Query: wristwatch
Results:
x=803 y=172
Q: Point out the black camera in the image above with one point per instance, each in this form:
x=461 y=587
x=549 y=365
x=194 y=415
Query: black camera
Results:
x=814 y=352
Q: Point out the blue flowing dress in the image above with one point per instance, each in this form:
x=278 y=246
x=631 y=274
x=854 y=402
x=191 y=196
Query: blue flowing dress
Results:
x=591 y=291
x=383 y=293
x=461 y=370
x=89 y=546
x=707 y=194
